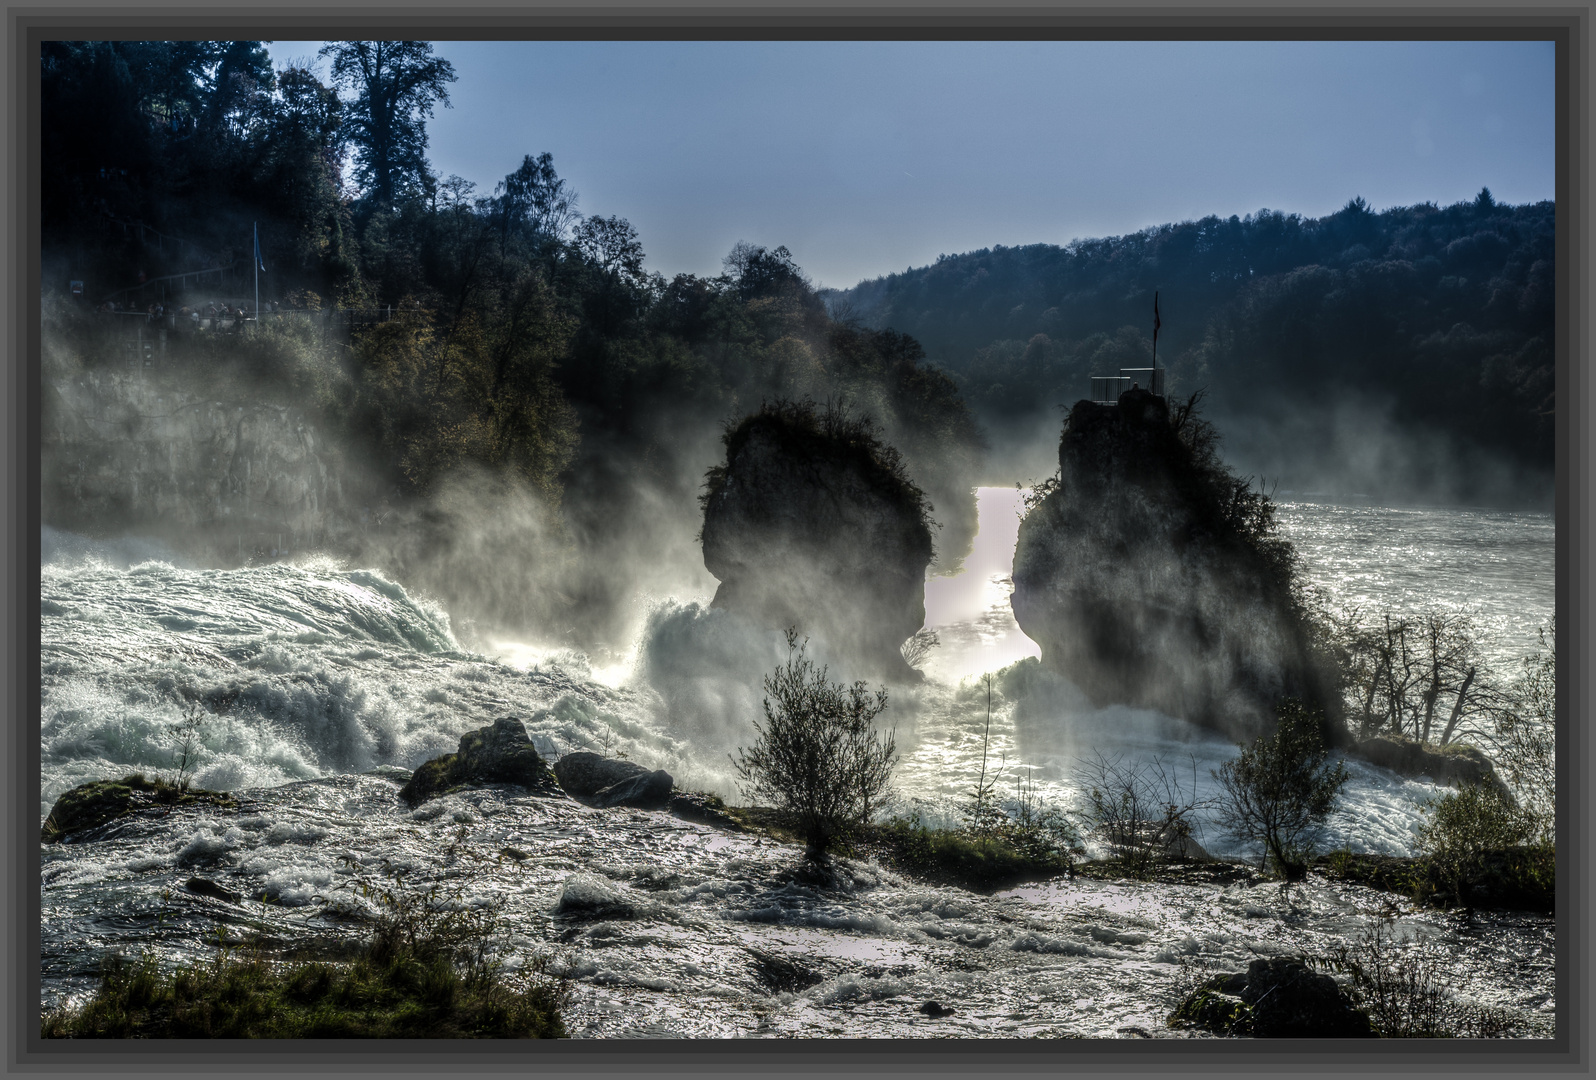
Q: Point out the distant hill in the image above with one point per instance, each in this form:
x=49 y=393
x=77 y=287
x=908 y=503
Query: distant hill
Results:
x=1407 y=351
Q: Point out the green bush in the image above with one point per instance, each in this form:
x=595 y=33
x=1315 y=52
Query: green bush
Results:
x=1279 y=791
x=953 y=856
x=425 y=973
x=1468 y=837
x=817 y=758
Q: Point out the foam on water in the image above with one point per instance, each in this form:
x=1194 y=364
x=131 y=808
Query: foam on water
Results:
x=314 y=669
x=294 y=671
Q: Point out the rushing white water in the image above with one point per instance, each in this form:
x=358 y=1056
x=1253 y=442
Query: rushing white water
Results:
x=318 y=686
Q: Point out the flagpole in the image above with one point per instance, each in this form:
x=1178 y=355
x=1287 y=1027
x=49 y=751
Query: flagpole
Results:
x=257 y=286
x=1157 y=386
x=1155 y=334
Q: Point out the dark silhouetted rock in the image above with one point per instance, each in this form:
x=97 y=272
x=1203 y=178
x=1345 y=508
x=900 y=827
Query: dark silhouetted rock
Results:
x=708 y=809
x=612 y=782
x=1453 y=764
x=203 y=887
x=1149 y=578
x=500 y=753
x=1276 y=998
x=812 y=523
x=936 y=1010
x=89 y=805
x=782 y=973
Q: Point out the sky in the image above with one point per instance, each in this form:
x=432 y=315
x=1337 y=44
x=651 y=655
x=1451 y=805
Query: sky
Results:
x=868 y=158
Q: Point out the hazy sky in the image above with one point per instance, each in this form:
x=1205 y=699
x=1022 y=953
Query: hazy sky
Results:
x=866 y=158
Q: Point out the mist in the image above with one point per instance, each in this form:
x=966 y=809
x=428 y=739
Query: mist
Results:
x=1355 y=446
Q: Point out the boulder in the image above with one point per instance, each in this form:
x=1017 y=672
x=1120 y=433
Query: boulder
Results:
x=500 y=753
x=706 y=809
x=1276 y=997
x=1149 y=578
x=613 y=781
x=1456 y=763
x=90 y=805
x=204 y=887
x=590 y=896
x=1179 y=845
x=812 y=523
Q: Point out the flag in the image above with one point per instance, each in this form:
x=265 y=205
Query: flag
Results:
x=258 y=260
x=1157 y=322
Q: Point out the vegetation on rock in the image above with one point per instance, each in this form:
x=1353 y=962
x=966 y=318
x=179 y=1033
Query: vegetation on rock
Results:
x=89 y=805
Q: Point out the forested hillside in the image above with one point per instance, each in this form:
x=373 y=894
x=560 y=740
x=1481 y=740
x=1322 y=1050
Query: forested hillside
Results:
x=500 y=333
x=1429 y=329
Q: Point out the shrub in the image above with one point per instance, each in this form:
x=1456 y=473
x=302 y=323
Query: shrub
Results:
x=1140 y=810
x=1279 y=791
x=953 y=856
x=425 y=973
x=1403 y=989
x=817 y=758
x=983 y=818
x=1525 y=737
x=1465 y=826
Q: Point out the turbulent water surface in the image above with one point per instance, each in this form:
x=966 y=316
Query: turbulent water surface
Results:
x=318 y=686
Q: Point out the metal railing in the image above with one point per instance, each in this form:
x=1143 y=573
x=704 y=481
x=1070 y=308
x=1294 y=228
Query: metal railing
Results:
x=1106 y=389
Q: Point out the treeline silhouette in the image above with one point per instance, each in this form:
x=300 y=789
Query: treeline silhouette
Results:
x=518 y=335
x=1441 y=315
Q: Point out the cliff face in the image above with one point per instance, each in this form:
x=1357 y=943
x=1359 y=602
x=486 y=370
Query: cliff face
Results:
x=220 y=477
x=1140 y=587
x=807 y=530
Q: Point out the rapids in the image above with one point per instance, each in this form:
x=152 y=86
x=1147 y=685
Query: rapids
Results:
x=318 y=686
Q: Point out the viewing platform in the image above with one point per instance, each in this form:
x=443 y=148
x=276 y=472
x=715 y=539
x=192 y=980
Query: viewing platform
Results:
x=1106 y=389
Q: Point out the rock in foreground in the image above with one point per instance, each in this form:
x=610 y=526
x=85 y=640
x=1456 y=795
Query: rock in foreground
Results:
x=813 y=523
x=500 y=753
x=89 y=805
x=613 y=782
x=1150 y=576
x=1275 y=998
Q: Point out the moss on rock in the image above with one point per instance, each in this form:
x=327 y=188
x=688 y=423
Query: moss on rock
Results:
x=500 y=753
x=90 y=805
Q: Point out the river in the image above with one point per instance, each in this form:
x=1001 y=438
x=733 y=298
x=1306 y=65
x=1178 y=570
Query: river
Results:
x=323 y=684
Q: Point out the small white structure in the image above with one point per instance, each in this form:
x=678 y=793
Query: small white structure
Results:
x=1106 y=389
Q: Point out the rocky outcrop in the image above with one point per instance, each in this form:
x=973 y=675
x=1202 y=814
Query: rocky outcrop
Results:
x=613 y=782
x=812 y=523
x=703 y=808
x=90 y=805
x=1274 y=998
x=1149 y=577
x=1455 y=763
x=500 y=753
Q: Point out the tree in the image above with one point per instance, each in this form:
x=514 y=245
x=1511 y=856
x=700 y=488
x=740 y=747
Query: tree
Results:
x=1421 y=677
x=534 y=200
x=612 y=245
x=816 y=757
x=396 y=84
x=1524 y=737
x=1279 y=791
